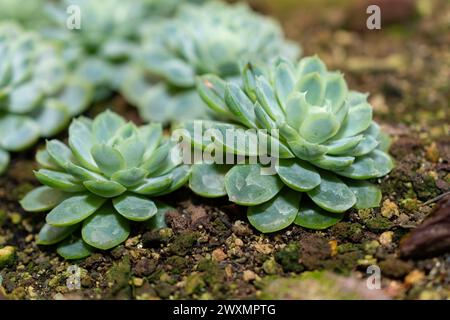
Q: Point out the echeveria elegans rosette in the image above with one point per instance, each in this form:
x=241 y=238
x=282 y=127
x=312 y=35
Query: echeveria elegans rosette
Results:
x=100 y=47
x=38 y=96
x=328 y=145
x=199 y=39
x=101 y=181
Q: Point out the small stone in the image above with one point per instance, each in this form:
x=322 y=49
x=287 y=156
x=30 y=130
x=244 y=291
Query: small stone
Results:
x=7 y=255
x=263 y=248
x=389 y=209
x=144 y=267
x=239 y=228
x=219 y=255
x=432 y=153
x=414 y=277
x=15 y=217
x=270 y=266
x=229 y=271
x=249 y=276
x=386 y=238
x=333 y=247
x=238 y=242
x=138 y=282
x=132 y=242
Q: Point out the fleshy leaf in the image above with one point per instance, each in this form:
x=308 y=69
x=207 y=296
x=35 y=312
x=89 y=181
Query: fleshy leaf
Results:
x=313 y=217
x=314 y=86
x=74 y=210
x=134 y=207
x=373 y=165
x=59 y=180
x=59 y=152
x=50 y=234
x=105 y=188
x=108 y=159
x=246 y=185
x=129 y=177
x=367 y=195
x=81 y=143
x=105 y=229
x=74 y=248
x=17 y=132
x=52 y=118
x=358 y=119
x=297 y=174
x=208 y=180
x=240 y=105
x=276 y=214
x=105 y=125
x=332 y=194
x=43 y=199
x=180 y=176
x=151 y=186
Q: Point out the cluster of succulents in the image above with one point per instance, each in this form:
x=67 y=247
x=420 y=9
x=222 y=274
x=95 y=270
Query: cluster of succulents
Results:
x=38 y=96
x=175 y=62
x=100 y=48
x=326 y=145
x=211 y=38
x=101 y=181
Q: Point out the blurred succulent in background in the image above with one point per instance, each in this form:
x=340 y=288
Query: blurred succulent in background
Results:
x=37 y=95
x=328 y=145
x=31 y=15
x=100 y=49
x=211 y=38
x=101 y=182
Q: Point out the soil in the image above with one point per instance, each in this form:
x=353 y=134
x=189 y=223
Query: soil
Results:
x=209 y=251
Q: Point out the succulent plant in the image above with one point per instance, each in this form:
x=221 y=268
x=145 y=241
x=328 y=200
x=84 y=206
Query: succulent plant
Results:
x=210 y=38
x=37 y=95
x=101 y=181
x=31 y=15
x=101 y=48
x=325 y=145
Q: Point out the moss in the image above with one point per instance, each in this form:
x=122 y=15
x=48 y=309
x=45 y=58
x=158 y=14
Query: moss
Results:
x=270 y=266
x=309 y=285
x=118 y=277
x=395 y=268
x=348 y=247
x=194 y=284
x=3 y=217
x=289 y=258
x=177 y=264
x=183 y=243
x=346 y=230
x=212 y=274
x=378 y=224
x=7 y=256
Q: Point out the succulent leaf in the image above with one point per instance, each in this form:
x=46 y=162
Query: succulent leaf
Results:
x=74 y=248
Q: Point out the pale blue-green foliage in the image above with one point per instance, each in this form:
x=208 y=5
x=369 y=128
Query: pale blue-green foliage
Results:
x=211 y=38
x=108 y=35
x=327 y=144
x=30 y=14
x=101 y=181
x=38 y=96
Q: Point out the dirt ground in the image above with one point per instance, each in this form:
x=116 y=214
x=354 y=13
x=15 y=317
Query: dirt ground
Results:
x=209 y=251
